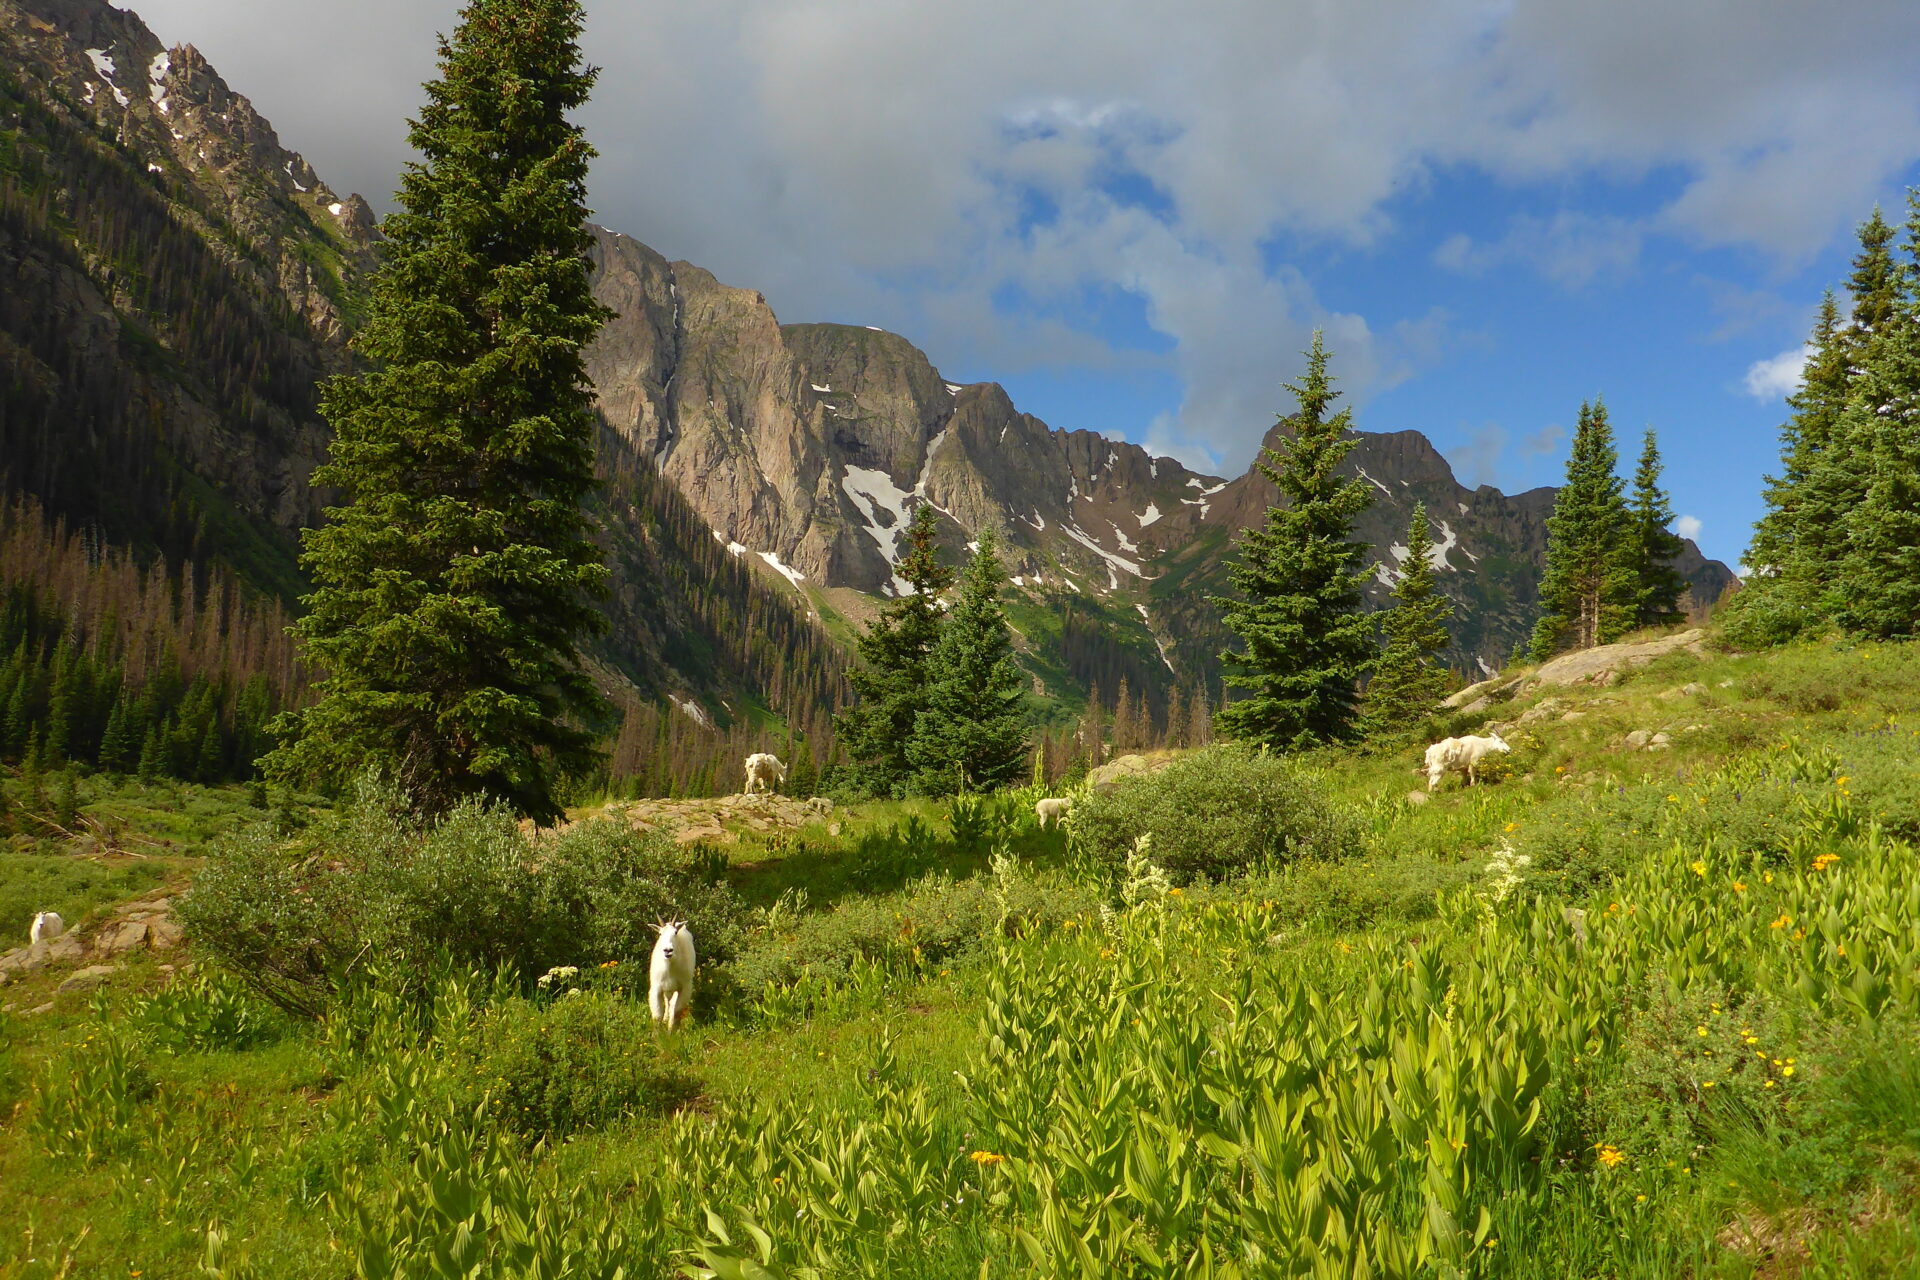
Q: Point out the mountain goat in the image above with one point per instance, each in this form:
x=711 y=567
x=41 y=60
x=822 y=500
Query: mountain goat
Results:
x=1463 y=754
x=46 y=927
x=1052 y=811
x=670 y=985
x=764 y=772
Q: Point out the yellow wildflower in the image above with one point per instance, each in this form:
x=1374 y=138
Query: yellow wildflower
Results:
x=1173 y=893
x=1825 y=860
x=1699 y=867
x=1768 y=875
x=1609 y=1155
x=1782 y=922
x=1106 y=953
x=984 y=1158
x=1513 y=826
x=1786 y=1071
x=1700 y=1031
x=1739 y=886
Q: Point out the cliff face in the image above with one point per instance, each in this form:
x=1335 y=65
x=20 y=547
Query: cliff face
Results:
x=807 y=446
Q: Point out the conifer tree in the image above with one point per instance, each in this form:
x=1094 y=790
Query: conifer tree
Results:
x=1881 y=569
x=1785 y=580
x=1304 y=640
x=1408 y=677
x=1591 y=588
x=1657 y=598
x=454 y=585
x=892 y=681
x=973 y=734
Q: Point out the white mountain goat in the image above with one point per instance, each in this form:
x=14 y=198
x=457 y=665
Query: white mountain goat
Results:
x=1052 y=812
x=1462 y=754
x=46 y=927
x=670 y=986
x=764 y=772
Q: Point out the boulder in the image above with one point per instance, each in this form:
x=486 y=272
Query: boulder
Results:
x=1691 y=689
x=1124 y=767
x=118 y=939
x=1418 y=798
x=88 y=978
x=1589 y=666
x=1486 y=691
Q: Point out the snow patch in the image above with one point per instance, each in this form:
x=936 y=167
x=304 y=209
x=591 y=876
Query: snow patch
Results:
x=89 y=98
x=154 y=168
x=694 y=711
x=791 y=574
x=1148 y=516
x=335 y=208
x=1039 y=522
x=1126 y=543
x=874 y=492
x=1486 y=668
x=876 y=328
x=817 y=387
x=1448 y=541
x=1375 y=483
x=102 y=64
x=1195 y=482
x=1462 y=506
x=295 y=181
x=954 y=388
x=157 y=74
x=1113 y=561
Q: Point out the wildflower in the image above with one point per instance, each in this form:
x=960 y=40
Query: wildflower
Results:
x=1825 y=860
x=1559 y=768
x=1766 y=1084
x=1609 y=1155
x=1786 y=1071
x=1739 y=886
x=1840 y=781
x=1768 y=875
x=1700 y=1031
x=1106 y=953
x=611 y=964
x=1672 y=799
x=1699 y=867
x=1174 y=893
x=1782 y=922
x=1513 y=826
x=1708 y=1084
x=1641 y=1198
x=1345 y=949
x=984 y=1158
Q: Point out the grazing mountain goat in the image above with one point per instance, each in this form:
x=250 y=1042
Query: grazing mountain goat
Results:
x=1463 y=754
x=46 y=927
x=670 y=989
x=764 y=772
x=1051 y=812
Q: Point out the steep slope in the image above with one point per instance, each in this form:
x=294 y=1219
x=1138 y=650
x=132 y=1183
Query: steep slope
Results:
x=173 y=285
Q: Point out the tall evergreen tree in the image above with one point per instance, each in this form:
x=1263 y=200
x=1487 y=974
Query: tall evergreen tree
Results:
x=1881 y=570
x=1408 y=678
x=973 y=734
x=454 y=585
x=1657 y=597
x=1304 y=640
x=1590 y=590
x=892 y=681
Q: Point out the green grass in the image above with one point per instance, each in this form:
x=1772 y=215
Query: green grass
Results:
x=893 y=1067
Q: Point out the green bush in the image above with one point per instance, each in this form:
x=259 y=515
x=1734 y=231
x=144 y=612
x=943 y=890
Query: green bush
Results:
x=1221 y=810
x=548 y=1067
x=294 y=919
x=1347 y=897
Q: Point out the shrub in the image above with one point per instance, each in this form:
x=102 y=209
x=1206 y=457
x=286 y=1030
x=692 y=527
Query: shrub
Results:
x=1220 y=810
x=1348 y=897
x=551 y=1067
x=294 y=919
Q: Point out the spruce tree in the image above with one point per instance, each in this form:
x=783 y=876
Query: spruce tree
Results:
x=1591 y=588
x=891 y=683
x=1304 y=639
x=1408 y=678
x=1786 y=577
x=1881 y=568
x=454 y=584
x=972 y=736
x=1660 y=586
x=1837 y=482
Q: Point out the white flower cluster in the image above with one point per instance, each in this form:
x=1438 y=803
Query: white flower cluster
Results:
x=1506 y=872
x=560 y=973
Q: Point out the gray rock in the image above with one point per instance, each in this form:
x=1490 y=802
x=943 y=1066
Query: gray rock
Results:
x=117 y=940
x=1638 y=739
x=1570 y=716
x=1418 y=797
x=1590 y=666
x=88 y=978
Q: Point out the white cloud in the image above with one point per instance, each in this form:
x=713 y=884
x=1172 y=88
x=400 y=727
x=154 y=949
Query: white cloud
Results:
x=880 y=161
x=1688 y=527
x=1777 y=377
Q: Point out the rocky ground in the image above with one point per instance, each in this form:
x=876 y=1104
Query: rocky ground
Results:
x=720 y=819
x=100 y=949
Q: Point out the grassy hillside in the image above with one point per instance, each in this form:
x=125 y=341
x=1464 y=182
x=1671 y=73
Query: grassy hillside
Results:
x=938 y=1042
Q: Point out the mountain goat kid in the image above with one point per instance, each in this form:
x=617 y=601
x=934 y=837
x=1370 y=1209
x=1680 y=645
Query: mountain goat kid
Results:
x=670 y=989
x=1461 y=754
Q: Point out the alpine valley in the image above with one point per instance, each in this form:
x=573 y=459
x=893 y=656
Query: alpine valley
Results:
x=174 y=283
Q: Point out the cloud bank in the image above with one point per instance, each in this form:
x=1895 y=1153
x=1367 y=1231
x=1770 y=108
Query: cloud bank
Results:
x=993 y=177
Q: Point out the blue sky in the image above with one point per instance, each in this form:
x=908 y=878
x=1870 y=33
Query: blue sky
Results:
x=1134 y=215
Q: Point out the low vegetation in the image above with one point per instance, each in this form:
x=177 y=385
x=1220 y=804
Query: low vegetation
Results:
x=1362 y=1036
